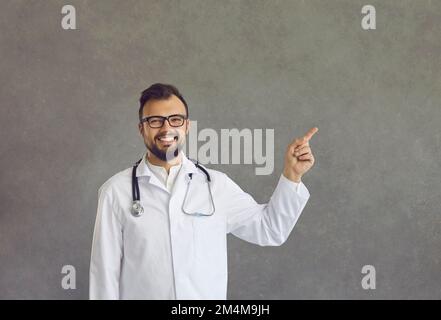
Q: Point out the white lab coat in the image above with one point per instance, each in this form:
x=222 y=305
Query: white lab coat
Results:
x=166 y=254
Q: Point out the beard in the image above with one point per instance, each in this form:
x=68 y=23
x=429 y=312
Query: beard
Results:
x=168 y=153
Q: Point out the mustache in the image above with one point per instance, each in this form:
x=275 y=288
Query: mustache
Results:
x=175 y=135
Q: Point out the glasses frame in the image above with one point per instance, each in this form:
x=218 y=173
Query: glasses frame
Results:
x=146 y=119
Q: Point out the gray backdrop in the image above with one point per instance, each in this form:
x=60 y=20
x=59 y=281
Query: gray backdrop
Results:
x=69 y=102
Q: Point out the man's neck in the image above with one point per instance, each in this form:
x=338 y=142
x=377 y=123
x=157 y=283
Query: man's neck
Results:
x=166 y=165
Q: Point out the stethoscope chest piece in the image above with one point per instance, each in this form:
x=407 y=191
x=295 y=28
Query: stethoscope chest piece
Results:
x=137 y=208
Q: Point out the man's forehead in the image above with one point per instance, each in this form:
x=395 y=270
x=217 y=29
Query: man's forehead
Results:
x=164 y=106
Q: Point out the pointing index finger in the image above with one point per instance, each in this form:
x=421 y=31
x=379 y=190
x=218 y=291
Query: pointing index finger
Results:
x=310 y=133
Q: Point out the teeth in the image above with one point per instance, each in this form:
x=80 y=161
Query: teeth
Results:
x=167 y=138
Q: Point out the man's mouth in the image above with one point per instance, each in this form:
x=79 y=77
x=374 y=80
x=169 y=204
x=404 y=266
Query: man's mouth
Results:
x=168 y=138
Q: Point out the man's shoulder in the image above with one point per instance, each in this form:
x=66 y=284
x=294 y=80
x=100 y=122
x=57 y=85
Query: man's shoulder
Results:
x=121 y=179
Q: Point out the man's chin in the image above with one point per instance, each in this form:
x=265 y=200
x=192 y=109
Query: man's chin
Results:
x=165 y=153
x=171 y=148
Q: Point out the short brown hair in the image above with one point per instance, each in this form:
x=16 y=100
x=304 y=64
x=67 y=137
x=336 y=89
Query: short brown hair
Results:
x=159 y=91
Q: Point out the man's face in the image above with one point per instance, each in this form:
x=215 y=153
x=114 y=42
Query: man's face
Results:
x=166 y=142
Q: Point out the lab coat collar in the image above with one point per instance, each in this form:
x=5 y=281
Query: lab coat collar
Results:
x=143 y=170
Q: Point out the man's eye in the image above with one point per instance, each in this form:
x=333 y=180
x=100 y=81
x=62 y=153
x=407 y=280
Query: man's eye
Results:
x=176 y=120
x=155 y=121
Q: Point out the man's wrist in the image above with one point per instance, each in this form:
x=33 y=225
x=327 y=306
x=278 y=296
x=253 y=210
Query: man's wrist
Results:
x=292 y=176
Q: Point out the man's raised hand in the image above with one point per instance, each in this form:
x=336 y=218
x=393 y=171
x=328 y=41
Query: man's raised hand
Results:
x=299 y=158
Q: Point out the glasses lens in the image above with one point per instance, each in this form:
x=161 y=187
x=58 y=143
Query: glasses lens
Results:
x=156 y=122
x=176 y=121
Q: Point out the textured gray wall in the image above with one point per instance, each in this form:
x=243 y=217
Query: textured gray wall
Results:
x=69 y=112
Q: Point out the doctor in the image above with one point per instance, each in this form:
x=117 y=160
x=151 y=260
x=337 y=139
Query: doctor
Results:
x=176 y=248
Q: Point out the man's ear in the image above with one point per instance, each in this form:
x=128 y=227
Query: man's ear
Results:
x=140 y=128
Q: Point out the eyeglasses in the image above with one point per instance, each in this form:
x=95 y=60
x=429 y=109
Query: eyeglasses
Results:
x=174 y=120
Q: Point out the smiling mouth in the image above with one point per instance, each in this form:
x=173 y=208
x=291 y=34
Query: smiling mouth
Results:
x=168 y=138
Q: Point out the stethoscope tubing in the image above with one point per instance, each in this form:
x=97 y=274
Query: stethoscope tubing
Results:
x=137 y=208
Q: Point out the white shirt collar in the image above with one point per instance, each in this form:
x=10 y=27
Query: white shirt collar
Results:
x=167 y=179
x=143 y=170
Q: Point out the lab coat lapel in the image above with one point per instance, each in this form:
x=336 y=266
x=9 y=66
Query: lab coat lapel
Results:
x=182 y=179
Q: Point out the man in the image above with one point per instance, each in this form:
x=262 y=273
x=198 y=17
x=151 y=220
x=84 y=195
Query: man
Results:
x=177 y=247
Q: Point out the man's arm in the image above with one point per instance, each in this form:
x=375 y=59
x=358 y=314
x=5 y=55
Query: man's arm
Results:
x=270 y=224
x=265 y=224
x=105 y=263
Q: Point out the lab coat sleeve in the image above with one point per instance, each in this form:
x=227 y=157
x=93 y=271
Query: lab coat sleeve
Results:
x=265 y=224
x=107 y=251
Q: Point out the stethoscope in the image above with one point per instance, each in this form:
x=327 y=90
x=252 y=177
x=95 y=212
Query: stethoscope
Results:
x=137 y=208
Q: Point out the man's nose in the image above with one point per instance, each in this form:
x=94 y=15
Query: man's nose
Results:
x=166 y=126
